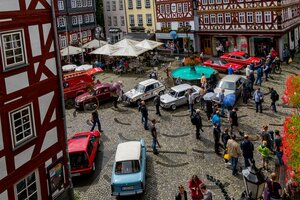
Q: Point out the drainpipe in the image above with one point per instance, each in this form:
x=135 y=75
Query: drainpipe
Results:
x=60 y=75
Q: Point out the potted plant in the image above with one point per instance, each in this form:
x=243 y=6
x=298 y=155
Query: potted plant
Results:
x=192 y=61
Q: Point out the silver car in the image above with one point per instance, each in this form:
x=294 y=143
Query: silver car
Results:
x=176 y=96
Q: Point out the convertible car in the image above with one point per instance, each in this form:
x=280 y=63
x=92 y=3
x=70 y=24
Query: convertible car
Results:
x=222 y=65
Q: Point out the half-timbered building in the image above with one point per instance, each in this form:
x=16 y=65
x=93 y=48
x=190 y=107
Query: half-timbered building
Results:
x=33 y=157
x=254 y=26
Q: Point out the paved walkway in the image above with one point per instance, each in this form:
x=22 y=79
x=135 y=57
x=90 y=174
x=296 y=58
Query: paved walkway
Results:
x=181 y=155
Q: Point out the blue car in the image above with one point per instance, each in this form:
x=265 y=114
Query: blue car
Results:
x=129 y=169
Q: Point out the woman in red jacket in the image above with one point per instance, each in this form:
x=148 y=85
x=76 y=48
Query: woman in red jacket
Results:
x=194 y=185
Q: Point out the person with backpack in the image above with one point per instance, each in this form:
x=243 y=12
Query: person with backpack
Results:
x=197 y=121
x=156 y=102
x=274 y=97
x=247 y=148
x=273 y=190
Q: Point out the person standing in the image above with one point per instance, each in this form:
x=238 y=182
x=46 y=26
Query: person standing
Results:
x=191 y=101
x=95 y=120
x=144 y=111
x=194 y=186
x=216 y=119
x=273 y=187
x=221 y=100
x=274 y=97
x=258 y=97
x=247 y=148
x=156 y=101
x=198 y=123
x=234 y=151
x=207 y=195
x=225 y=137
x=216 y=134
x=209 y=109
x=293 y=187
x=266 y=71
x=265 y=153
x=182 y=194
x=203 y=80
x=286 y=55
x=233 y=119
x=230 y=70
x=154 y=136
x=258 y=76
x=278 y=147
x=245 y=93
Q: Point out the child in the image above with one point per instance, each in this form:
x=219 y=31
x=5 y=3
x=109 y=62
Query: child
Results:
x=265 y=153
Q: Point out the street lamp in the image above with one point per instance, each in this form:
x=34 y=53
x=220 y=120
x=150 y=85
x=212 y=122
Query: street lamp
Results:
x=254 y=180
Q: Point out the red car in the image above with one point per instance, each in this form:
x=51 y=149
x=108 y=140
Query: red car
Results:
x=222 y=65
x=83 y=148
x=240 y=57
x=100 y=93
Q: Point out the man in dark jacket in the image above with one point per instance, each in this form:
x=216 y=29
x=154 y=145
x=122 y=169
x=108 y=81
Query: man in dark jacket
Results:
x=273 y=99
x=247 y=148
x=209 y=109
x=198 y=124
x=216 y=134
x=144 y=111
x=157 y=104
x=95 y=120
x=225 y=137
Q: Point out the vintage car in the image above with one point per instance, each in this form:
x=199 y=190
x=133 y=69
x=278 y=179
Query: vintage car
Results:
x=240 y=57
x=143 y=91
x=100 y=93
x=222 y=65
x=83 y=149
x=129 y=169
x=231 y=84
x=176 y=96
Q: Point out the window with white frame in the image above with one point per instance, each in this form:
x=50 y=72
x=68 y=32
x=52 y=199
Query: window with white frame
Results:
x=74 y=20
x=258 y=17
x=121 y=5
x=218 y=1
x=168 y=8
x=28 y=187
x=149 y=19
x=204 y=2
x=227 y=18
x=169 y=24
x=115 y=20
x=89 y=3
x=140 y=20
x=185 y=7
x=268 y=18
x=122 y=21
x=84 y=3
x=131 y=20
x=211 y=1
x=107 y=5
x=226 y=1
x=22 y=125
x=138 y=3
x=179 y=8
x=79 y=3
x=61 y=22
x=92 y=18
x=109 y=21
x=162 y=8
x=87 y=18
x=241 y=17
x=213 y=19
x=79 y=19
x=130 y=5
x=73 y=3
x=63 y=41
x=74 y=37
x=147 y=4
x=220 y=18
x=206 y=19
x=13 y=50
x=113 y=6
x=61 y=5
x=249 y=17
x=173 y=7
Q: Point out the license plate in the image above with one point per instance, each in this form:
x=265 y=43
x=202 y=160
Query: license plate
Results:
x=76 y=174
x=127 y=188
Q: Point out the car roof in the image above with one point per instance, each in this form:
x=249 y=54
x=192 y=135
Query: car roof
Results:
x=231 y=78
x=128 y=151
x=149 y=81
x=181 y=87
x=78 y=142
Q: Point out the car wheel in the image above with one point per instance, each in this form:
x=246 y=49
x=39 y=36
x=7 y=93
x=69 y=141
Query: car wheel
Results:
x=197 y=99
x=173 y=107
x=69 y=104
x=161 y=93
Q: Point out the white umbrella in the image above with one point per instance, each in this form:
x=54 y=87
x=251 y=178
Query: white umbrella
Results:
x=209 y=96
x=148 y=44
x=107 y=49
x=70 y=67
x=129 y=51
x=71 y=50
x=94 y=44
x=84 y=67
x=126 y=42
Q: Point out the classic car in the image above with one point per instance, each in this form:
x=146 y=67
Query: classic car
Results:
x=240 y=57
x=100 y=93
x=222 y=65
x=176 y=96
x=129 y=169
x=231 y=84
x=83 y=149
x=143 y=91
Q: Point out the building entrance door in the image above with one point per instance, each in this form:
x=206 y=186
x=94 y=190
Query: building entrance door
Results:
x=206 y=45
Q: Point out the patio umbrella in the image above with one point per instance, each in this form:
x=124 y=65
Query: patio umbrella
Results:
x=70 y=67
x=71 y=50
x=107 y=49
x=229 y=100
x=148 y=44
x=126 y=42
x=84 y=67
x=130 y=51
x=209 y=96
x=94 y=44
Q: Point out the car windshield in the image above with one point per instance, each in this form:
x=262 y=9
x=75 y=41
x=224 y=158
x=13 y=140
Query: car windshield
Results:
x=223 y=62
x=246 y=56
x=226 y=85
x=139 y=88
x=78 y=159
x=172 y=93
x=127 y=167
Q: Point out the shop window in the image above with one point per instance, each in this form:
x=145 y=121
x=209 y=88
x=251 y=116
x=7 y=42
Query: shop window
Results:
x=249 y=17
x=242 y=17
x=28 y=188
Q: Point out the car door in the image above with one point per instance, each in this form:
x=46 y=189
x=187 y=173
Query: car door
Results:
x=148 y=91
x=106 y=93
x=92 y=149
x=181 y=98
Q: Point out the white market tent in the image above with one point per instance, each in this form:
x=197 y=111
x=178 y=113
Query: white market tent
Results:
x=130 y=51
x=94 y=44
x=107 y=49
x=71 y=50
x=148 y=44
x=126 y=42
x=70 y=67
x=84 y=67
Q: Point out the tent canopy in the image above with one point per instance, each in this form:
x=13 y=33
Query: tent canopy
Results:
x=126 y=42
x=107 y=49
x=148 y=44
x=129 y=50
x=71 y=50
x=69 y=67
x=94 y=44
x=84 y=68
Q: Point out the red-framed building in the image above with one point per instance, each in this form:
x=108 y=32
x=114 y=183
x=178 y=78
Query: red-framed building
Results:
x=33 y=148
